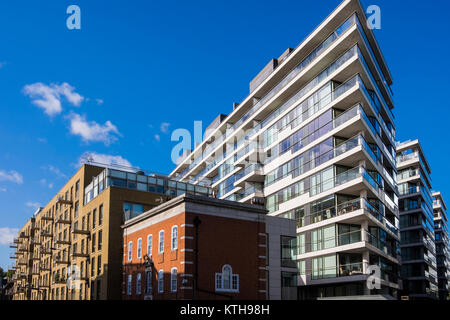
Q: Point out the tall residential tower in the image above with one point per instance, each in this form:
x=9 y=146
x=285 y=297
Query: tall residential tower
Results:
x=419 y=271
x=314 y=141
x=442 y=245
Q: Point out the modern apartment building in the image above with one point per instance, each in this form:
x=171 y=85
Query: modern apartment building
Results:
x=72 y=248
x=314 y=141
x=194 y=247
x=419 y=269
x=442 y=245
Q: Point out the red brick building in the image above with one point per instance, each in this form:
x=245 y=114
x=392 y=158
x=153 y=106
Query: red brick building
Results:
x=195 y=247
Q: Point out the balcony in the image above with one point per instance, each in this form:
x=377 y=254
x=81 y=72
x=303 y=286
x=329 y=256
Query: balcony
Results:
x=60 y=261
x=45 y=251
x=59 y=280
x=64 y=200
x=43 y=267
x=62 y=220
x=45 y=233
x=79 y=254
x=23 y=235
x=80 y=231
x=62 y=242
x=47 y=218
x=13 y=246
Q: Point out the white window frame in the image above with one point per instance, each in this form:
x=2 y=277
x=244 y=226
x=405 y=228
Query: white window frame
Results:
x=219 y=280
x=161 y=281
x=173 y=280
x=130 y=250
x=138 y=283
x=161 y=241
x=174 y=238
x=130 y=280
x=139 y=248
x=149 y=245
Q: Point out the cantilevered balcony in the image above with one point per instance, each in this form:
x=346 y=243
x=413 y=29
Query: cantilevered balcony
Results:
x=62 y=241
x=64 y=200
x=59 y=260
x=62 y=220
x=45 y=233
x=79 y=254
x=80 y=231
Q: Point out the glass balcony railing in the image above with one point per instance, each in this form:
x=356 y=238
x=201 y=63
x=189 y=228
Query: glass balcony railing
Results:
x=344 y=27
x=252 y=168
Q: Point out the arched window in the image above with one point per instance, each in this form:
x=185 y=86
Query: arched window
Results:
x=161 y=281
x=226 y=280
x=161 y=242
x=173 y=280
x=174 y=238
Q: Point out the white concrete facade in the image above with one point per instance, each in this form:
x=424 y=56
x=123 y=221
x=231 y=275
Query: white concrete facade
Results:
x=317 y=131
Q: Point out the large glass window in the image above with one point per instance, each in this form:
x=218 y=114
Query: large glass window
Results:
x=323 y=238
x=324 y=267
x=288 y=251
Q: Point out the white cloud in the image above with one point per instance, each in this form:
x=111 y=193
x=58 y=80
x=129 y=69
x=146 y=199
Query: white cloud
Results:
x=105 y=159
x=12 y=176
x=7 y=235
x=33 y=205
x=44 y=183
x=157 y=137
x=92 y=131
x=48 y=97
x=99 y=101
x=54 y=170
x=165 y=127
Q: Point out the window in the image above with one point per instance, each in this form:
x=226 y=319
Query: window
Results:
x=139 y=249
x=161 y=281
x=99 y=265
x=149 y=245
x=76 y=209
x=100 y=215
x=92 y=267
x=174 y=238
x=100 y=240
x=161 y=242
x=130 y=251
x=131 y=210
x=138 y=283
x=324 y=267
x=173 y=280
x=93 y=242
x=77 y=188
x=94 y=218
x=130 y=279
x=148 y=288
x=227 y=281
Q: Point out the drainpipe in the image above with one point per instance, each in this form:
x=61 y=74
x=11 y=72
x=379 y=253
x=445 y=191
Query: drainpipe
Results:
x=197 y=222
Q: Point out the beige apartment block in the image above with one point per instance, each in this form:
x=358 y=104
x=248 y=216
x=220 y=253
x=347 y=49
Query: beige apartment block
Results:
x=72 y=248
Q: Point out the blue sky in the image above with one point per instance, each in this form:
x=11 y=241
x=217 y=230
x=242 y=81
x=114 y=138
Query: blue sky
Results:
x=137 y=70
